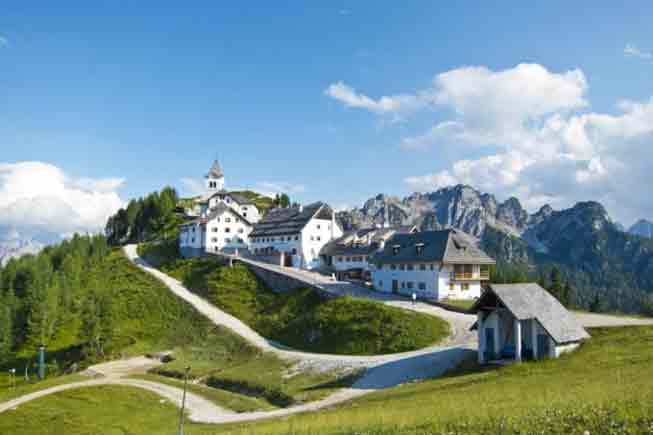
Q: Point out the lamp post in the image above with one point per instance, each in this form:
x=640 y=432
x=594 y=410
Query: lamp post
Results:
x=42 y=362
x=12 y=375
x=183 y=402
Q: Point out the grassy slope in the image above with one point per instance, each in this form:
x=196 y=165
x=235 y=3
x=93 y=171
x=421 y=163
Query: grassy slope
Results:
x=301 y=319
x=604 y=388
x=148 y=318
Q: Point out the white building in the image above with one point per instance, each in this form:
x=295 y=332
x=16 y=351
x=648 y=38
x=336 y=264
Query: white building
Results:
x=349 y=255
x=224 y=220
x=432 y=264
x=524 y=321
x=295 y=235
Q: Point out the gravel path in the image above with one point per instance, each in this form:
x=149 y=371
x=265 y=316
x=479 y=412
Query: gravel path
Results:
x=115 y=372
x=382 y=371
x=593 y=320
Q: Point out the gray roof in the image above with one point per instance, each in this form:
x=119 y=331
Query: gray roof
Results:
x=283 y=221
x=445 y=246
x=215 y=171
x=215 y=212
x=365 y=241
x=237 y=197
x=530 y=301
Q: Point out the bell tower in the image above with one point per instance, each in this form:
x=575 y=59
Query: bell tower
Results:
x=215 y=178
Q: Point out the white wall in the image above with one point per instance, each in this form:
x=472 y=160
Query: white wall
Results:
x=316 y=234
x=438 y=281
x=344 y=265
x=227 y=231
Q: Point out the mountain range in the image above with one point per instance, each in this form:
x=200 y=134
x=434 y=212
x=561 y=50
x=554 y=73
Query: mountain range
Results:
x=595 y=254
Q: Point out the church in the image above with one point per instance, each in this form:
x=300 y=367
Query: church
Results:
x=223 y=220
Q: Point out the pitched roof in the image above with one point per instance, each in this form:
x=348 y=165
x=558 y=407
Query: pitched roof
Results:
x=237 y=197
x=365 y=241
x=446 y=246
x=282 y=221
x=215 y=171
x=215 y=212
x=530 y=301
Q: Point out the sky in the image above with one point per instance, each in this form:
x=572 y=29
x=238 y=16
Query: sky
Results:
x=101 y=102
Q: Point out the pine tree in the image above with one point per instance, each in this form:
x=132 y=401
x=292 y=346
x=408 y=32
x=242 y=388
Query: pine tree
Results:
x=6 y=328
x=556 y=286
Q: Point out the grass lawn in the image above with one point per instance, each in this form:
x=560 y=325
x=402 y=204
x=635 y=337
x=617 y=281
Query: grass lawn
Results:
x=465 y=304
x=301 y=318
x=149 y=318
x=7 y=392
x=605 y=387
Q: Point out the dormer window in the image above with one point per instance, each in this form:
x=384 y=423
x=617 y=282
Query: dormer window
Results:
x=419 y=248
x=395 y=249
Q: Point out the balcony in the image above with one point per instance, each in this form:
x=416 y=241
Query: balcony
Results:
x=483 y=275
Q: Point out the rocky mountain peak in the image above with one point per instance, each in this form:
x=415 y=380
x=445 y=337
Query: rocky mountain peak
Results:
x=642 y=228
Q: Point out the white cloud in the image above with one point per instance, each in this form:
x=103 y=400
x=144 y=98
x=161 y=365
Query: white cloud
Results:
x=631 y=50
x=37 y=196
x=192 y=186
x=532 y=135
x=271 y=188
x=386 y=105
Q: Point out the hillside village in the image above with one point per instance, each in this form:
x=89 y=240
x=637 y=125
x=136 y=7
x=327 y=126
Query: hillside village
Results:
x=434 y=266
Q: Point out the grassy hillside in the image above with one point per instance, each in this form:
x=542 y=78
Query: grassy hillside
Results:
x=301 y=318
x=143 y=316
x=604 y=388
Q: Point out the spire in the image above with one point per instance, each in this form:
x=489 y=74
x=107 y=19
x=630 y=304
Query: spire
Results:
x=215 y=171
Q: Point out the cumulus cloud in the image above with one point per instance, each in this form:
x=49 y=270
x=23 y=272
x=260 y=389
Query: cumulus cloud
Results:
x=631 y=50
x=533 y=135
x=37 y=196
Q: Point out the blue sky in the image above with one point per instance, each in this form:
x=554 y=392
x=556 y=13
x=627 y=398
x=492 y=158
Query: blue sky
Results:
x=151 y=92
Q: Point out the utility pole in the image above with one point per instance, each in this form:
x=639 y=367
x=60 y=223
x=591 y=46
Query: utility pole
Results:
x=183 y=402
x=42 y=362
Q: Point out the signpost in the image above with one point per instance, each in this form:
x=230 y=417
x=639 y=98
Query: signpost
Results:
x=183 y=402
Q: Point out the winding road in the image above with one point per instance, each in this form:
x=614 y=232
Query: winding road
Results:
x=382 y=371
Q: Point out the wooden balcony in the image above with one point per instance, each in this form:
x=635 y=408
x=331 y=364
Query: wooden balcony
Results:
x=468 y=276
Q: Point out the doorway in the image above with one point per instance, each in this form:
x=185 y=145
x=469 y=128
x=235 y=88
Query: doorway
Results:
x=489 y=344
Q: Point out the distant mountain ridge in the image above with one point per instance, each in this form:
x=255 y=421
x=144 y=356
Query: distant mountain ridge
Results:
x=642 y=228
x=595 y=253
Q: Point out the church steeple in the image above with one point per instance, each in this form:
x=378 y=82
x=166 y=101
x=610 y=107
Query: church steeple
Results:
x=215 y=178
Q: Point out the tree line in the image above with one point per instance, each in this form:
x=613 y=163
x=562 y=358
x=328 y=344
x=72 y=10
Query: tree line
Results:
x=56 y=296
x=154 y=216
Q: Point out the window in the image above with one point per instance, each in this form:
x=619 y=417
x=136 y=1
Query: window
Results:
x=193 y=229
x=240 y=230
x=296 y=237
x=214 y=229
x=432 y=266
x=465 y=286
x=245 y=214
x=348 y=259
x=410 y=267
x=318 y=238
x=422 y=267
x=214 y=240
x=227 y=240
x=410 y=284
x=395 y=250
x=393 y=267
x=217 y=219
x=227 y=230
x=312 y=238
x=318 y=226
x=403 y=284
x=421 y=286
x=192 y=240
x=244 y=208
x=227 y=219
x=452 y=286
x=340 y=259
x=419 y=248
x=380 y=283
x=402 y=267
